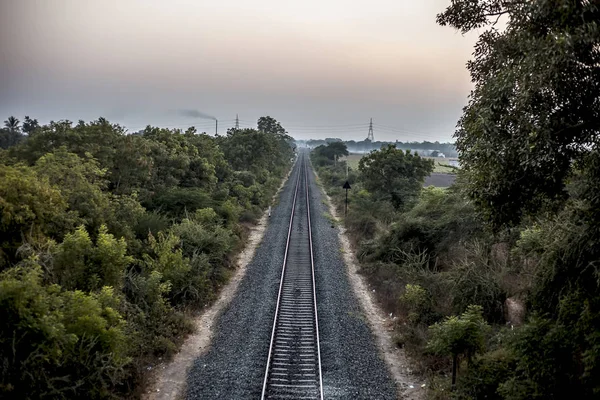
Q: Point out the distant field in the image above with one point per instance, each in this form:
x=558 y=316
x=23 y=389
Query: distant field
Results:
x=445 y=168
x=353 y=160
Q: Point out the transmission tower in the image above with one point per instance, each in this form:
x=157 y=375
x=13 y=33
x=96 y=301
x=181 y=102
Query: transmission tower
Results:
x=237 y=122
x=370 y=135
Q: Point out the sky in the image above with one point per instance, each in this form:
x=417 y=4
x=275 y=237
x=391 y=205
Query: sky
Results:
x=322 y=68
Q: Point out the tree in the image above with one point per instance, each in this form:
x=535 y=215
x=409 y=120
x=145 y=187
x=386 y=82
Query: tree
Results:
x=270 y=125
x=394 y=174
x=455 y=336
x=80 y=181
x=11 y=134
x=30 y=208
x=529 y=144
x=78 y=263
x=332 y=151
x=528 y=123
x=30 y=125
x=337 y=149
x=12 y=124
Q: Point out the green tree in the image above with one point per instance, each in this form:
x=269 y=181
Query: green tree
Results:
x=81 y=182
x=270 y=125
x=11 y=134
x=30 y=125
x=58 y=344
x=31 y=209
x=79 y=264
x=528 y=123
x=332 y=151
x=254 y=150
x=456 y=336
x=12 y=124
x=394 y=174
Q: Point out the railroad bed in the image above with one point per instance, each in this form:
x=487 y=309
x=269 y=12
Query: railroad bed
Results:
x=293 y=369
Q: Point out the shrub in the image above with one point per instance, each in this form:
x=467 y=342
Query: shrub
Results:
x=151 y=223
x=417 y=301
x=58 y=344
x=485 y=375
x=154 y=326
x=455 y=336
x=79 y=264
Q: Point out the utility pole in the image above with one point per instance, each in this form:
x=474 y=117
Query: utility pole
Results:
x=370 y=135
x=237 y=122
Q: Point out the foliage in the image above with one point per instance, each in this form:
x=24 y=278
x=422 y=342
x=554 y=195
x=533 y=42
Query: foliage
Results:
x=455 y=336
x=527 y=123
x=485 y=375
x=31 y=208
x=395 y=175
x=463 y=335
x=109 y=241
x=58 y=344
x=418 y=302
x=11 y=134
x=80 y=264
x=81 y=182
x=331 y=152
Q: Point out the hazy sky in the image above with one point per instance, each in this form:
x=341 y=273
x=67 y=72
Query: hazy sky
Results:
x=321 y=67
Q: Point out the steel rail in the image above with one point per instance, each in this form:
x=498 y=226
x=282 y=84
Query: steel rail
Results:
x=294 y=351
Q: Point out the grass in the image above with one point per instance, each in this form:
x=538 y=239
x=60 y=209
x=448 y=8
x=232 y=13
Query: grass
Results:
x=353 y=160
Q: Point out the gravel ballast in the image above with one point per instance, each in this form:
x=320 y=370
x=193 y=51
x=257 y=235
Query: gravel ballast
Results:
x=234 y=366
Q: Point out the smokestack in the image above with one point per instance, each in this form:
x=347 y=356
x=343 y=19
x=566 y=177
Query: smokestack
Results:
x=216 y=127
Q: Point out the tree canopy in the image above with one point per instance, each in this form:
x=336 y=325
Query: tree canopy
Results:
x=394 y=174
x=106 y=238
x=533 y=116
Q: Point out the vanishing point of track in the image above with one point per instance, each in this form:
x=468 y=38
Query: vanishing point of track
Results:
x=293 y=368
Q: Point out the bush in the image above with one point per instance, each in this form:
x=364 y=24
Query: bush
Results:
x=417 y=302
x=151 y=224
x=476 y=280
x=485 y=375
x=154 y=326
x=455 y=336
x=58 y=344
x=176 y=202
x=79 y=264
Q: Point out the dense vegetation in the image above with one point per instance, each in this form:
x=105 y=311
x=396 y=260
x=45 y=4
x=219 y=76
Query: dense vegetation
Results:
x=109 y=240
x=498 y=275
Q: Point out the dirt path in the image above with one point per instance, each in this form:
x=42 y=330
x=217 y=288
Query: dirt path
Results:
x=408 y=385
x=169 y=379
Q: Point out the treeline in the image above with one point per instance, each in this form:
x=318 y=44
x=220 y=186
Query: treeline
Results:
x=425 y=148
x=108 y=240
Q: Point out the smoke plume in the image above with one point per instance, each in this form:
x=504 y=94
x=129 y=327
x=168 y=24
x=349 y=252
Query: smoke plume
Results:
x=196 y=114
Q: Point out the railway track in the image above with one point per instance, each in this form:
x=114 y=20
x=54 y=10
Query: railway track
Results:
x=293 y=369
